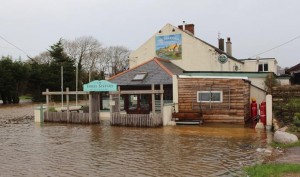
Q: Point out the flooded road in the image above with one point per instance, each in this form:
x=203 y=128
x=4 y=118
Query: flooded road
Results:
x=30 y=149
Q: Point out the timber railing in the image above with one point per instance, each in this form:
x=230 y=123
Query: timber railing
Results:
x=136 y=120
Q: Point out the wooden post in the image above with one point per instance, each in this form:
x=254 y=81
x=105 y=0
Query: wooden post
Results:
x=119 y=99
x=90 y=107
x=110 y=106
x=161 y=100
x=47 y=103
x=153 y=99
x=68 y=106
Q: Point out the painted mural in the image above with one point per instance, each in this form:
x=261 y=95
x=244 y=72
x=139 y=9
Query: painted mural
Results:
x=169 y=47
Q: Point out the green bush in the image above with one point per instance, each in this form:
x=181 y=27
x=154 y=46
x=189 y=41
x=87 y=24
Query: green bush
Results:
x=287 y=111
x=52 y=109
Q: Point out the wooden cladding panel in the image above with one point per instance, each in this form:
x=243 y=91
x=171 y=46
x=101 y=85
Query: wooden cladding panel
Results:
x=236 y=96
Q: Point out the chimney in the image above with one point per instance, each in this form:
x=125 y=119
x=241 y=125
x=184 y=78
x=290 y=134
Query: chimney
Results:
x=187 y=27
x=221 y=44
x=228 y=47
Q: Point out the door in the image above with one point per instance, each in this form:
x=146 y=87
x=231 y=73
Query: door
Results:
x=138 y=104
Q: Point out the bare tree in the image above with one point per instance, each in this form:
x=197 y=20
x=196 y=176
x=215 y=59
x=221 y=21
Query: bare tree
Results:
x=115 y=59
x=85 y=51
x=42 y=58
x=82 y=49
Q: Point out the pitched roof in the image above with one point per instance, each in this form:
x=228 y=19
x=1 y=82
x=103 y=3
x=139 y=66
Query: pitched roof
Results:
x=159 y=71
x=294 y=68
x=216 y=49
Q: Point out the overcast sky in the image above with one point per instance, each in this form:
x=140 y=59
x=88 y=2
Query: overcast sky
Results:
x=255 y=26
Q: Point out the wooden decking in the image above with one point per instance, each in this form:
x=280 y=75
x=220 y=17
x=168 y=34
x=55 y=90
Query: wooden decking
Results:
x=136 y=120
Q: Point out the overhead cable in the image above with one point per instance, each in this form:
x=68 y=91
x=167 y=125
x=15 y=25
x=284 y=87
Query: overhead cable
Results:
x=276 y=46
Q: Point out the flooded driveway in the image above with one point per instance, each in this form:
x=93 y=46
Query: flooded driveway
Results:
x=30 y=149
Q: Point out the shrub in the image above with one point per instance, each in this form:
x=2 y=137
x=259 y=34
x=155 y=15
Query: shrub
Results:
x=52 y=109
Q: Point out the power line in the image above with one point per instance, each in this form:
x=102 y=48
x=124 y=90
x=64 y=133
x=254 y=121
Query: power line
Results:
x=276 y=46
x=14 y=45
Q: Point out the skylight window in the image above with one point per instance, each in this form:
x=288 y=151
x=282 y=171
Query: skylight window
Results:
x=140 y=76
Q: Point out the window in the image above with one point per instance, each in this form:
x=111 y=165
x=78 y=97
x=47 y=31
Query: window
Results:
x=140 y=76
x=263 y=67
x=210 y=96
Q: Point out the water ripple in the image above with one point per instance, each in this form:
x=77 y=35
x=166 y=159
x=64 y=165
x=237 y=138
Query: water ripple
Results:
x=29 y=149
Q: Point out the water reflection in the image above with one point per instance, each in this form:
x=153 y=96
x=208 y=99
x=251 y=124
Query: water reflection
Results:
x=29 y=149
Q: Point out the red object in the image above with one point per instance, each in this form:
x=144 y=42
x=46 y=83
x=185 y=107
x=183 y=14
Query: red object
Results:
x=253 y=109
x=263 y=116
x=254 y=112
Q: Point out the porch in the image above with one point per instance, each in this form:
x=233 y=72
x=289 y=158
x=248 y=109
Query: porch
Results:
x=144 y=113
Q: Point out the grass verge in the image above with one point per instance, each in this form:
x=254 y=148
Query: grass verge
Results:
x=296 y=144
x=274 y=170
x=25 y=97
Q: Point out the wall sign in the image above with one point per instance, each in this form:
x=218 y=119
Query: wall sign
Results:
x=100 y=86
x=169 y=47
x=222 y=58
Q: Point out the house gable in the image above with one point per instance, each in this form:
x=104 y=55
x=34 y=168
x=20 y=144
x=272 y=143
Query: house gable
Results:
x=197 y=55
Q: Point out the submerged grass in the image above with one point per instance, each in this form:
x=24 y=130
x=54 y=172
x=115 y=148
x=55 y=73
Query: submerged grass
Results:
x=274 y=170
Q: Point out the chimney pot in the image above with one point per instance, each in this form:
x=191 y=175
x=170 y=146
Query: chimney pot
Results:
x=229 y=47
x=188 y=27
x=221 y=44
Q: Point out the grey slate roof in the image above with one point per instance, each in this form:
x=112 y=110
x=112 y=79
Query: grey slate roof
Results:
x=159 y=71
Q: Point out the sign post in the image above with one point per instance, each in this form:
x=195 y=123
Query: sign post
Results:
x=98 y=86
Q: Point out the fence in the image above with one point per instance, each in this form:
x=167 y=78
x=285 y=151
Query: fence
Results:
x=74 y=117
x=136 y=120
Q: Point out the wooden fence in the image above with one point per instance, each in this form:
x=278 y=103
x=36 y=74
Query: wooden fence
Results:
x=136 y=120
x=285 y=92
x=74 y=117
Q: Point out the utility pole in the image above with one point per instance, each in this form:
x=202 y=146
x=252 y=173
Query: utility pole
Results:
x=76 y=84
x=62 y=85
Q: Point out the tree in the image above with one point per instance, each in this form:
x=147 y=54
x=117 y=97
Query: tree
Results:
x=270 y=81
x=42 y=58
x=60 y=58
x=38 y=80
x=14 y=75
x=48 y=74
x=116 y=59
x=85 y=51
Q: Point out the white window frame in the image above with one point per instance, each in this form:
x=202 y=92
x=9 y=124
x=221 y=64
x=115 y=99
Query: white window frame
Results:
x=210 y=101
x=263 y=67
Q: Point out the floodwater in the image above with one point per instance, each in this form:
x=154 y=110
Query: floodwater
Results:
x=33 y=149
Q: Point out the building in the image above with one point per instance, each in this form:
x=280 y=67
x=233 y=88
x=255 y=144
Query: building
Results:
x=294 y=72
x=206 y=82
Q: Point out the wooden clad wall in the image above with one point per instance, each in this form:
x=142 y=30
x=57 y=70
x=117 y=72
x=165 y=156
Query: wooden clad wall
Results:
x=236 y=99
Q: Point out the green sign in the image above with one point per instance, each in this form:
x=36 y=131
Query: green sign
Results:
x=100 y=86
x=222 y=58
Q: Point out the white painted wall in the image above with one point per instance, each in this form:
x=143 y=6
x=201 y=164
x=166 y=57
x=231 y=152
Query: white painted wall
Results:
x=284 y=81
x=258 y=82
x=258 y=94
x=252 y=65
x=196 y=55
